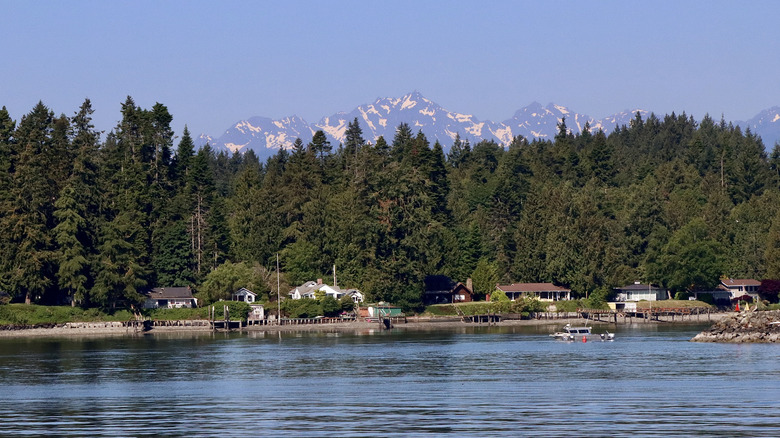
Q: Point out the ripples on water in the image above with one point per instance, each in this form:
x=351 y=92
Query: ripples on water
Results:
x=472 y=381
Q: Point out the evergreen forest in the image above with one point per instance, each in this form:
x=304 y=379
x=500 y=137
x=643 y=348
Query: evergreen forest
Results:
x=96 y=219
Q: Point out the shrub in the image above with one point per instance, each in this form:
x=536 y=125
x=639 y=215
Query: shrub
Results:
x=330 y=307
x=681 y=295
x=346 y=303
x=568 y=305
x=498 y=296
x=303 y=308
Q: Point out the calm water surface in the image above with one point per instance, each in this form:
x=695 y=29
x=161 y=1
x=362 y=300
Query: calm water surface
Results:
x=506 y=381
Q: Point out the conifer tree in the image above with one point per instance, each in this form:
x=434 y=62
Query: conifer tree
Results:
x=77 y=212
x=184 y=154
x=320 y=146
x=8 y=151
x=772 y=251
x=30 y=217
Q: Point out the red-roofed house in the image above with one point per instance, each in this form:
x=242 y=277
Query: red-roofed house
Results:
x=542 y=291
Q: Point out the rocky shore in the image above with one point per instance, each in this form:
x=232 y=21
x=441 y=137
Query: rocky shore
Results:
x=744 y=327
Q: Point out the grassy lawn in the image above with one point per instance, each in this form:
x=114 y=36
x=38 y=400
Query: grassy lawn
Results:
x=485 y=307
x=672 y=304
x=473 y=308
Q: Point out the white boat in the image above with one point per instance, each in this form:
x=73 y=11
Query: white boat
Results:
x=571 y=333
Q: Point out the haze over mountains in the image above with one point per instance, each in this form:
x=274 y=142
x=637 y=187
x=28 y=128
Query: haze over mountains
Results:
x=381 y=118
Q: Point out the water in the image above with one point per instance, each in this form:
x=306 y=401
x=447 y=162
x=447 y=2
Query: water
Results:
x=506 y=381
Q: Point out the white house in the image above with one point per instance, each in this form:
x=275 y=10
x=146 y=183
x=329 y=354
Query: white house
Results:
x=310 y=288
x=170 y=297
x=332 y=291
x=306 y=290
x=245 y=295
x=257 y=313
x=542 y=291
x=357 y=296
x=639 y=292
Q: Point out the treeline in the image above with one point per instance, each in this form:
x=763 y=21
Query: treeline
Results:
x=98 y=221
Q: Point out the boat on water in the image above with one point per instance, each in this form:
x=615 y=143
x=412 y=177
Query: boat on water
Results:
x=571 y=333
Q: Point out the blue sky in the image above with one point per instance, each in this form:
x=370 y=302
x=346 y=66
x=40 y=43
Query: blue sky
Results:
x=213 y=63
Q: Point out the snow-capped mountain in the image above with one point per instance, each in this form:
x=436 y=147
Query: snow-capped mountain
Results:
x=381 y=118
x=261 y=134
x=766 y=125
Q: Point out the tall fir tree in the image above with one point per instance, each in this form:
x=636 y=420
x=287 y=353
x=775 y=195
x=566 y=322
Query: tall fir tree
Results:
x=31 y=273
x=78 y=212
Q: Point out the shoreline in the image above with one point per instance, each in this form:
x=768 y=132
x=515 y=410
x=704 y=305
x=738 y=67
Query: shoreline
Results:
x=413 y=323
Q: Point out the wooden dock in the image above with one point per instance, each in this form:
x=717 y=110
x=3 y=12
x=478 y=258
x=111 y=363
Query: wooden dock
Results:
x=654 y=314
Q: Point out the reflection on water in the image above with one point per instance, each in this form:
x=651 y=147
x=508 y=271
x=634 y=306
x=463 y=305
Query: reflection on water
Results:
x=496 y=381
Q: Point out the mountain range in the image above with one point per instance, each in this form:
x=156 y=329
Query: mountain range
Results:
x=265 y=136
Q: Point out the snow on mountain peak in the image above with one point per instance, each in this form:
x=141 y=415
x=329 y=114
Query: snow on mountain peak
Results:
x=561 y=109
x=381 y=118
x=409 y=102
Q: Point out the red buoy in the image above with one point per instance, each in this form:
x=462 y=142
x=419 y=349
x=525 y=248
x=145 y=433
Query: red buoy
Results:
x=584 y=339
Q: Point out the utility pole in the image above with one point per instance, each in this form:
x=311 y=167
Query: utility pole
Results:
x=278 y=294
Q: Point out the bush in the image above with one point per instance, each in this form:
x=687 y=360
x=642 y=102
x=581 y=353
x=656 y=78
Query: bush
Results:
x=681 y=295
x=568 y=306
x=30 y=314
x=346 y=303
x=303 y=308
x=237 y=310
x=330 y=307
x=166 y=314
x=597 y=299
x=498 y=296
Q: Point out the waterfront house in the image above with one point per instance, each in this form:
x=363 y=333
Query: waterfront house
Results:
x=306 y=290
x=171 y=298
x=639 y=292
x=245 y=295
x=442 y=289
x=380 y=310
x=257 y=313
x=739 y=287
x=310 y=289
x=332 y=291
x=356 y=295
x=541 y=291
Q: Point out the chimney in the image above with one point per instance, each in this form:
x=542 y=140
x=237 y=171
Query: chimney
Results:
x=319 y=281
x=469 y=285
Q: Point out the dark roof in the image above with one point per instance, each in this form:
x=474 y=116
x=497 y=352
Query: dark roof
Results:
x=532 y=287
x=438 y=283
x=740 y=282
x=168 y=293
